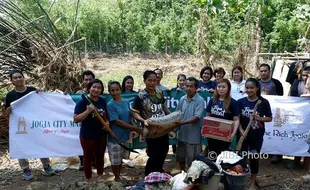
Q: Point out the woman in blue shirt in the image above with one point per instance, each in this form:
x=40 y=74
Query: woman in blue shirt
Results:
x=255 y=137
x=219 y=74
x=181 y=79
x=223 y=106
x=119 y=115
x=206 y=84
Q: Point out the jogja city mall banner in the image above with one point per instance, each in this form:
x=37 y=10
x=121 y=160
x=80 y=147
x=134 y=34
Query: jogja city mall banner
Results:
x=41 y=125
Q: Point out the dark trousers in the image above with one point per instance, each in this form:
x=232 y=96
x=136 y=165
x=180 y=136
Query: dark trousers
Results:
x=157 y=150
x=174 y=148
x=217 y=146
x=93 y=149
x=297 y=159
x=81 y=160
x=253 y=144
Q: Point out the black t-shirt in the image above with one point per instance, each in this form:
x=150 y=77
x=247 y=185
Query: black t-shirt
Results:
x=149 y=105
x=217 y=109
x=246 y=110
x=91 y=127
x=13 y=95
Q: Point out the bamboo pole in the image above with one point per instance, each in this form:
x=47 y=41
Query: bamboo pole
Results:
x=296 y=58
x=83 y=38
x=17 y=43
x=22 y=27
x=293 y=54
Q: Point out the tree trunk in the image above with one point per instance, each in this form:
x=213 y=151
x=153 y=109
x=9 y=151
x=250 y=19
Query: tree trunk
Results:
x=258 y=43
x=99 y=34
x=202 y=48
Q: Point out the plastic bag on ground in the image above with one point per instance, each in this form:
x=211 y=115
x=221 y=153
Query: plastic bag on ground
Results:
x=177 y=181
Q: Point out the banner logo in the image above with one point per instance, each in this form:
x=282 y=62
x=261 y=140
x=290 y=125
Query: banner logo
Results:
x=280 y=121
x=21 y=124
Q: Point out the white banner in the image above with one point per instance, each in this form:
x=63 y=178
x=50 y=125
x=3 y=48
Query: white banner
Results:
x=41 y=125
x=287 y=134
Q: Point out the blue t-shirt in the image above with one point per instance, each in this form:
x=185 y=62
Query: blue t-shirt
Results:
x=246 y=110
x=119 y=111
x=217 y=109
x=206 y=86
x=178 y=90
x=191 y=107
x=91 y=127
x=215 y=82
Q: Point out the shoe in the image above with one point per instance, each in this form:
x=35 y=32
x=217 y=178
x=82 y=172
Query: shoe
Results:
x=276 y=159
x=293 y=165
x=49 y=171
x=27 y=174
x=81 y=168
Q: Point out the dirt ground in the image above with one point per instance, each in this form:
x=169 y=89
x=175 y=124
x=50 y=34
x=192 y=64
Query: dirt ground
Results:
x=115 y=68
x=11 y=175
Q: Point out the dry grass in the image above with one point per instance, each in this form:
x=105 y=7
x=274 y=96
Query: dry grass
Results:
x=116 y=68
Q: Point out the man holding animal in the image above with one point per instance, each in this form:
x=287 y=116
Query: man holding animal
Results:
x=150 y=103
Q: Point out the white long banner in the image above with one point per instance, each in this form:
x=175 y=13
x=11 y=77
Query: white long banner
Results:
x=287 y=134
x=41 y=125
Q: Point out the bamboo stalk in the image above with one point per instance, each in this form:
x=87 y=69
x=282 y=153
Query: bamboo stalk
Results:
x=83 y=38
x=296 y=58
x=293 y=54
x=240 y=142
x=16 y=43
x=106 y=126
x=21 y=27
x=36 y=47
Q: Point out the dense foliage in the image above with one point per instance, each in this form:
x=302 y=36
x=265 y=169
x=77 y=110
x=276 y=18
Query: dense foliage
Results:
x=174 y=26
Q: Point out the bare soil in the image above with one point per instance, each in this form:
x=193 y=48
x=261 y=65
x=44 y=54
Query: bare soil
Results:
x=117 y=67
x=11 y=174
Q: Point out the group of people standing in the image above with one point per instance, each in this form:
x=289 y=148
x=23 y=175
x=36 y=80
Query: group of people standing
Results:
x=232 y=100
x=93 y=137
